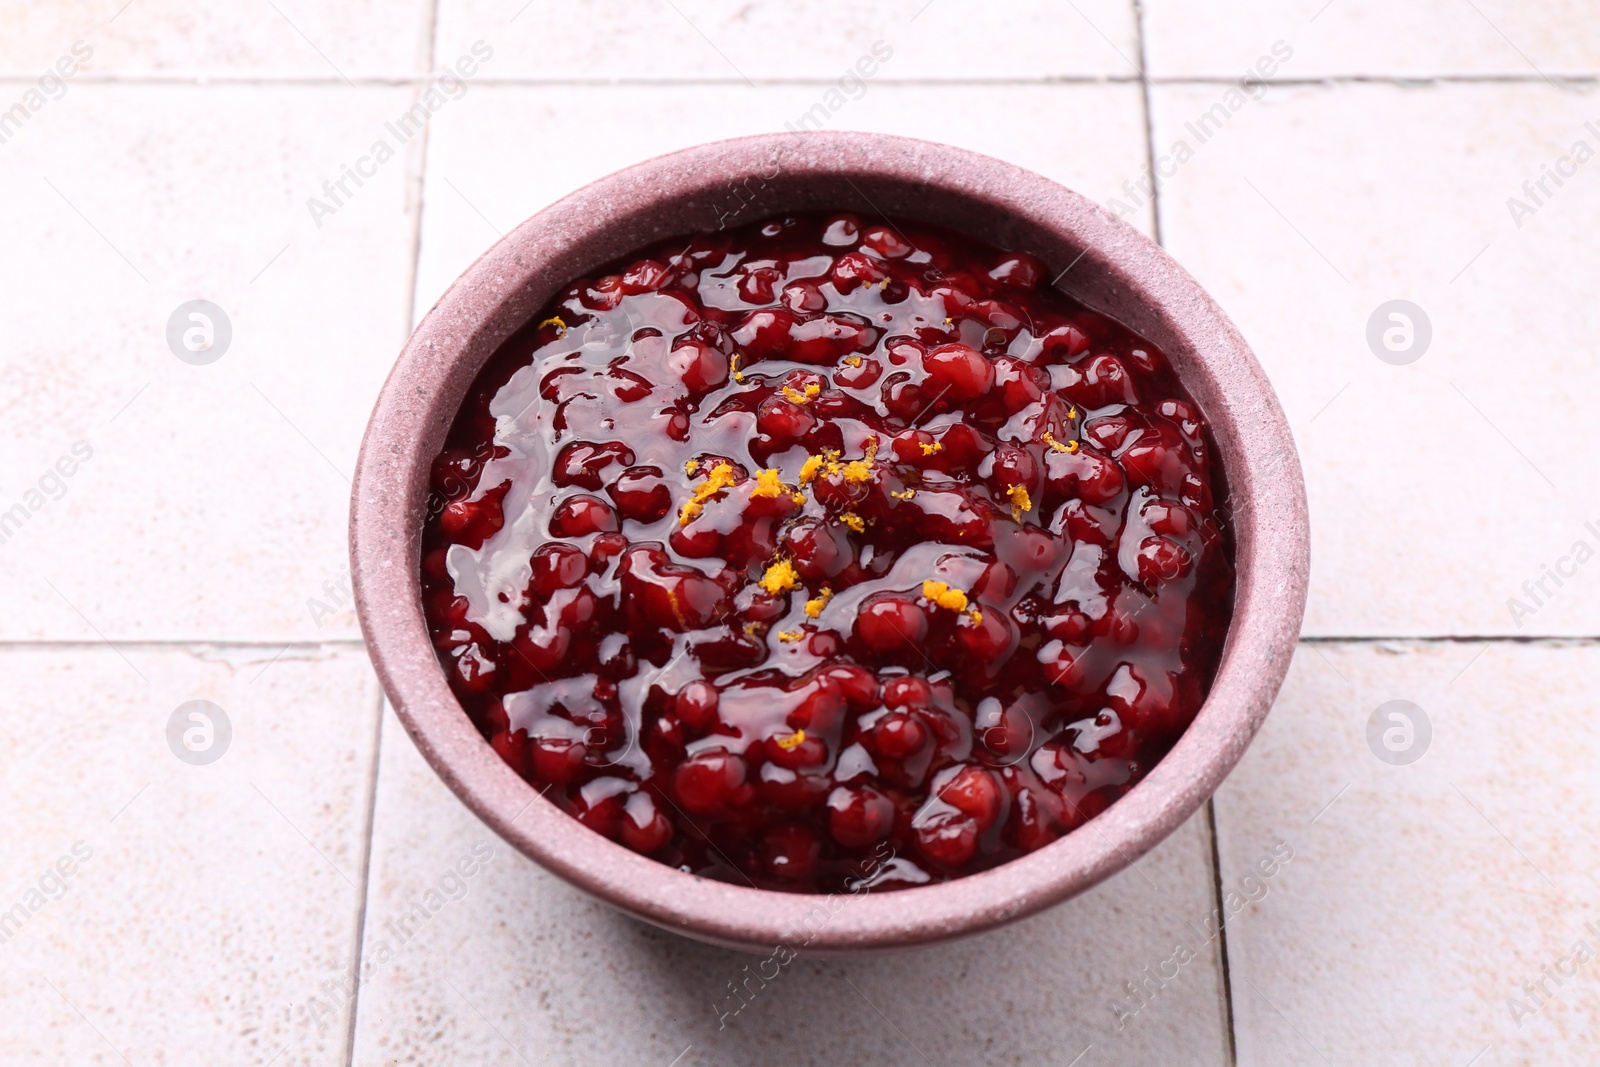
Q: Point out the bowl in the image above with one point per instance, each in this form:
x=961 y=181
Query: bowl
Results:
x=1102 y=262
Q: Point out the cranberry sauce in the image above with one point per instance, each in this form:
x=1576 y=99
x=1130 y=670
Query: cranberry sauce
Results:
x=823 y=547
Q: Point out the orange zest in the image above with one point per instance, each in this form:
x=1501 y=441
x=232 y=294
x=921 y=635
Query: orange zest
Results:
x=718 y=478
x=1020 y=503
x=780 y=578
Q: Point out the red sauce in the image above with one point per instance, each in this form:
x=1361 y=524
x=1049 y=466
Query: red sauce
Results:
x=776 y=552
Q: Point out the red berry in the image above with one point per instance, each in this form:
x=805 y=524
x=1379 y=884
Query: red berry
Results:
x=696 y=705
x=887 y=242
x=853 y=270
x=513 y=748
x=644 y=276
x=556 y=759
x=961 y=372
x=1160 y=560
x=1021 y=270
x=582 y=514
x=790 y=852
x=947 y=840
x=782 y=420
x=890 y=624
x=898 y=735
x=641 y=494
x=644 y=829
x=707 y=781
x=585 y=464
x=556 y=566
x=859 y=816
x=699 y=366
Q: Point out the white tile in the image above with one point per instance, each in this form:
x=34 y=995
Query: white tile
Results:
x=594 y=40
x=482 y=183
x=1330 y=38
x=1420 y=901
x=515 y=965
x=215 y=38
x=210 y=900
x=1437 y=488
x=215 y=502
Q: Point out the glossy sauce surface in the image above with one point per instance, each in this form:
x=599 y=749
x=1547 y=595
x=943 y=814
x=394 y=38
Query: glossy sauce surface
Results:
x=828 y=552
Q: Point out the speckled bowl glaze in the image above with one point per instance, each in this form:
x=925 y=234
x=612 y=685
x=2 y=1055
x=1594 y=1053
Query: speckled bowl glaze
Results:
x=1105 y=264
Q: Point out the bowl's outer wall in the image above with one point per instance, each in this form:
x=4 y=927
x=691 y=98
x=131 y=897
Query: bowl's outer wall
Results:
x=1105 y=263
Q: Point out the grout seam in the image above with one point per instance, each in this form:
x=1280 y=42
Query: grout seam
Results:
x=1149 y=126
x=1222 y=933
x=182 y=644
x=403 y=80
x=350 y=643
x=1230 y=1036
x=377 y=738
x=1473 y=639
x=366 y=877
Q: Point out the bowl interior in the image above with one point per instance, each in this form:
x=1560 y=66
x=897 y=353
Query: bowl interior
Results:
x=1100 y=261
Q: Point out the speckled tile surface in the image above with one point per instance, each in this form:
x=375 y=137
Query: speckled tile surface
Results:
x=514 y=963
x=161 y=909
x=1442 y=477
x=1442 y=899
x=181 y=534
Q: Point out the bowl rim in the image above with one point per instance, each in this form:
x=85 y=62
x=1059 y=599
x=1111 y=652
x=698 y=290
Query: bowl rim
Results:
x=716 y=183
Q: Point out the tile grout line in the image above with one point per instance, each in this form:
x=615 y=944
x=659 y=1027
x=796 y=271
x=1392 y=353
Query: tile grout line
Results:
x=377 y=740
x=1229 y=1023
x=1149 y=124
x=183 y=644
x=421 y=182
x=1222 y=934
x=194 y=644
x=366 y=876
x=380 y=81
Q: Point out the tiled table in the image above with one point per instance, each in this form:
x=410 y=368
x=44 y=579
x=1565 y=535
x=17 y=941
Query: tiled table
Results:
x=154 y=911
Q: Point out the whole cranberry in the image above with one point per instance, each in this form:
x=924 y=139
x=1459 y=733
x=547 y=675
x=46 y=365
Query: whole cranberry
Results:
x=961 y=371
x=644 y=828
x=1161 y=560
x=701 y=367
x=584 y=464
x=582 y=514
x=696 y=705
x=886 y=242
x=974 y=792
x=898 y=735
x=859 y=816
x=782 y=420
x=708 y=781
x=1020 y=270
x=889 y=624
x=556 y=759
x=790 y=852
x=907 y=691
x=644 y=276
x=947 y=840
x=513 y=748
x=556 y=566
x=641 y=494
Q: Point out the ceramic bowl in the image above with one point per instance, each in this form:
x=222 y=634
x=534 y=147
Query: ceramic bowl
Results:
x=1101 y=261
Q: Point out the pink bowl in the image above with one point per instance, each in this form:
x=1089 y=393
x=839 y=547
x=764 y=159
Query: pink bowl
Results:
x=1105 y=264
